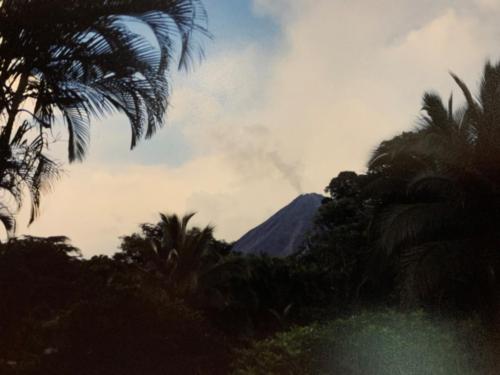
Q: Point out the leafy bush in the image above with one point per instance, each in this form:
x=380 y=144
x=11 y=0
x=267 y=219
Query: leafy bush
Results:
x=37 y=279
x=65 y=315
x=372 y=343
x=127 y=324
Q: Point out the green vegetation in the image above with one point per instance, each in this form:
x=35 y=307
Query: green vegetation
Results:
x=372 y=343
x=65 y=315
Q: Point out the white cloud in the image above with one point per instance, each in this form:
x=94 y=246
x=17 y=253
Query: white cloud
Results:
x=348 y=74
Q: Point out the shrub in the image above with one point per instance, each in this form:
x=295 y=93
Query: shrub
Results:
x=377 y=343
x=126 y=324
x=65 y=315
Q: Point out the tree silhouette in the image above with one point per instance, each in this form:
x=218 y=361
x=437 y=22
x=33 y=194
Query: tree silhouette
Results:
x=88 y=62
x=28 y=168
x=442 y=225
x=180 y=255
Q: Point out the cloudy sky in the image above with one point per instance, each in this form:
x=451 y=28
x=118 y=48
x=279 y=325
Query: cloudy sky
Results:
x=291 y=92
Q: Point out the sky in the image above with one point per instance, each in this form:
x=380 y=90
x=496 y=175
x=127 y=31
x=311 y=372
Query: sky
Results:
x=290 y=93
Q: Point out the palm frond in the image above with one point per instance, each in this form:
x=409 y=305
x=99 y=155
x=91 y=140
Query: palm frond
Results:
x=90 y=62
x=405 y=224
x=437 y=115
x=434 y=184
x=427 y=269
x=473 y=106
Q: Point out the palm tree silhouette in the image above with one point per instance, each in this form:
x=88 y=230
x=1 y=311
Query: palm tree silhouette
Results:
x=29 y=168
x=443 y=225
x=185 y=258
x=180 y=251
x=87 y=62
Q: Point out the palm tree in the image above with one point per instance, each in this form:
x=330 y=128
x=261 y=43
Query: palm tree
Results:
x=184 y=258
x=182 y=251
x=29 y=168
x=443 y=225
x=87 y=62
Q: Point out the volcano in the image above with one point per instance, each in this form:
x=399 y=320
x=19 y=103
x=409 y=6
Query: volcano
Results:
x=284 y=232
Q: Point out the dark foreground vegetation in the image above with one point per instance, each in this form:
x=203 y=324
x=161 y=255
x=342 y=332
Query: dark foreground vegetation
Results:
x=398 y=276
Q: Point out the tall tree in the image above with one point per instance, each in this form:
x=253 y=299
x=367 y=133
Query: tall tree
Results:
x=182 y=250
x=87 y=62
x=443 y=226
